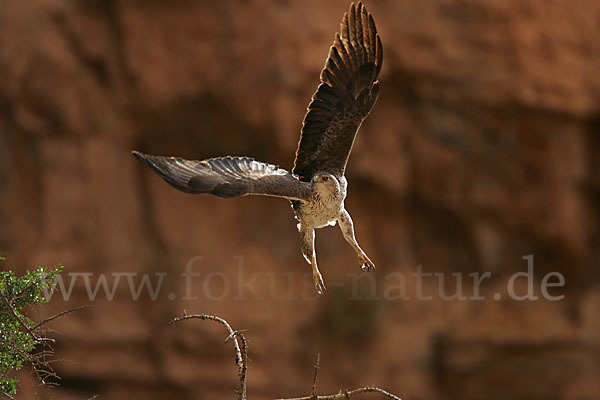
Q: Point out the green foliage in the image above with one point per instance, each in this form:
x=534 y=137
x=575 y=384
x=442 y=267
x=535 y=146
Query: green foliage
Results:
x=19 y=335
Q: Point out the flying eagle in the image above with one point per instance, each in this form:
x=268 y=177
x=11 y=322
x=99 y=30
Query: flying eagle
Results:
x=316 y=186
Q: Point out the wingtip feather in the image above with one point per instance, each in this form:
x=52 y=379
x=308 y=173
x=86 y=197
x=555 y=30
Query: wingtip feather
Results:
x=144 y=158
x=351 y=72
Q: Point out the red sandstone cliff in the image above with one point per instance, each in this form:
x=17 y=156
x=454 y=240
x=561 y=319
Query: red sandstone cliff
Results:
x=483 y=148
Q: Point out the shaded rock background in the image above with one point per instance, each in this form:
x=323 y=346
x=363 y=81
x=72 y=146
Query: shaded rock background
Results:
x=483 y=148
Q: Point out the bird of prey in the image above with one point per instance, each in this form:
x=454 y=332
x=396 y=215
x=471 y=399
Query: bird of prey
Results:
x=316 y=185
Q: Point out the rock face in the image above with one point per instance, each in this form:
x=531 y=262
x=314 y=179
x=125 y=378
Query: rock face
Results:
x=483 y=148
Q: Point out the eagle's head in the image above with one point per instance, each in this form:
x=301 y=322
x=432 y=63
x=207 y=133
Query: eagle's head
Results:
x=326 y=185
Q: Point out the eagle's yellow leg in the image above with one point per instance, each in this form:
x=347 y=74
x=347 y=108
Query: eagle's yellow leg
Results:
x=308 y=251
x=347 y=228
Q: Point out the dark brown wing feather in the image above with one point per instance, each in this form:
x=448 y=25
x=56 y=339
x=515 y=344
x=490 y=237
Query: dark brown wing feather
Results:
x=347 y=92
x=227 y=176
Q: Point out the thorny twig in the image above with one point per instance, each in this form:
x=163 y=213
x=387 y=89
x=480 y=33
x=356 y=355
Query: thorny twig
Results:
x=241 y=359
x=314 y=386
x=241 y=352
x=60 y=314
x=348 y=394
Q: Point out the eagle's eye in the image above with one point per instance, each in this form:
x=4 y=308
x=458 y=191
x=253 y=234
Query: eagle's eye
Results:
x=325 y=178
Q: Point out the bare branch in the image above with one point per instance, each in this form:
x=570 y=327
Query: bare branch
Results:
x=241 y=358
x=348 y=394
x=241 y=353
x=60 y=314
x=314 y=386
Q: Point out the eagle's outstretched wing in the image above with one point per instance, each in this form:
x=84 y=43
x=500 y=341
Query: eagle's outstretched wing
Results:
x=347 y=92
x=227 y=176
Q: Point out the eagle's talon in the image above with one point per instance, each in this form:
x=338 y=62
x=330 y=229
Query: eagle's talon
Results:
x=319 y=284
x=365 y=263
